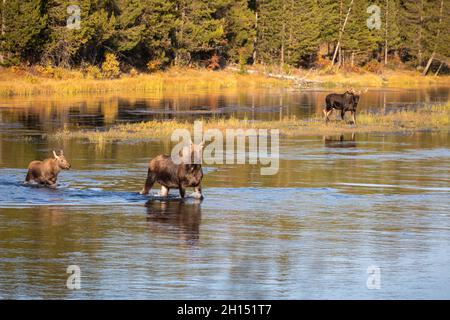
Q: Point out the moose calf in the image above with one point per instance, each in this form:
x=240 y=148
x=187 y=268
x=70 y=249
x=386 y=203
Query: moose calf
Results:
x=46 y=172
x=169 y=175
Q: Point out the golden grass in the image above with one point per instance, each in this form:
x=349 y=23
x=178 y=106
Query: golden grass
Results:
x=394 y=79
x=25 y=82
x=181 y=80
x=431 y=118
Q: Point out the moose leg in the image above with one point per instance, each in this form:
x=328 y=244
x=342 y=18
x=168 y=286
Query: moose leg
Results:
x=164 y=191
x=342 y=114
x=28 y=177
x=198 y=193
x=354 y=117
x=148 y=183
x=182 y=192
x=327 y=113
x=51 y=185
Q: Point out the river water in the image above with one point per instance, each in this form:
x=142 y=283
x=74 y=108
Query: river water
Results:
x=339 y=208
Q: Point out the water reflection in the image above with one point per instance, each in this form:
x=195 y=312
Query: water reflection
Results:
x=179 y=216
x=51 y=113
x=341 y=141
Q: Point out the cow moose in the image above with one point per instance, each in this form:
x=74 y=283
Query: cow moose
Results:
x=187 y=174
x=347 y=102
x=46 y=172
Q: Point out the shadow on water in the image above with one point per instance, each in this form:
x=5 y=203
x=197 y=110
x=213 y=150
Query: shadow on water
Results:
x=175 y=215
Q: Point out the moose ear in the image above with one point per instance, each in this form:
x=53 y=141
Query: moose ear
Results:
x=54 y=154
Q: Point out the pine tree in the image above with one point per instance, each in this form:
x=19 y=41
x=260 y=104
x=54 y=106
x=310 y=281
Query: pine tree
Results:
x=201 y=29
x=303 y=31
x=65 y=46
x=144 y=30
x=272 y=20
x=358 y=38
x=240 y=31
x=328 y=22
x=443 y=41
x=433 y=30
x=23 y=22
x=390 y=27
x=412 y=32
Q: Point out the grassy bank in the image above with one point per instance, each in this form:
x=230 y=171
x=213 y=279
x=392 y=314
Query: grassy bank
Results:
x=431 y=118
x=30 y=82
x=182 y=80
x=393 y=79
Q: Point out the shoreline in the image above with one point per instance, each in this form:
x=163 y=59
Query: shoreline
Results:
x=72 y=82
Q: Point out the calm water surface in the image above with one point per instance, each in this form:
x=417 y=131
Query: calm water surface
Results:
x=338 y=206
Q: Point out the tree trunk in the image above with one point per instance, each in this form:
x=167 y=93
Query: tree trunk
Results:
x=180 y=33
x=341 y=10
x=255 y=41
x=2 y=58
x=386 y=35
x=439 y=69
x=283 y=36
x=289 y=52
x=430 y=61
x=419 y=44
x=341 y=32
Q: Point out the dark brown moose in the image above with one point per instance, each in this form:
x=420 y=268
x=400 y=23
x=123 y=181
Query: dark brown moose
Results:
x=46 y=172
x=347 y=102
x=187 y=174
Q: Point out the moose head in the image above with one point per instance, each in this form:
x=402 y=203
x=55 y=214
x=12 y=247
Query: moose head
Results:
x=61 y=160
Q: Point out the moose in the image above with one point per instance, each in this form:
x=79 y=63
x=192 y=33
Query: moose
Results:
x=46 y=172
x=187 y=174
x=347 y=102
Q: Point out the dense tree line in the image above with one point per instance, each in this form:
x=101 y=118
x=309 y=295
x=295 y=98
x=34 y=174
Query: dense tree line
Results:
x=158 y=33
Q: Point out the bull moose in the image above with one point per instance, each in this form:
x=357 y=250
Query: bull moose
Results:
x=187 y=174
x=347 y=102
x=46 y=172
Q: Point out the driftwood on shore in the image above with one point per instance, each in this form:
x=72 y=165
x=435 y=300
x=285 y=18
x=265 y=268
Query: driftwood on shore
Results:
x=298 y=81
